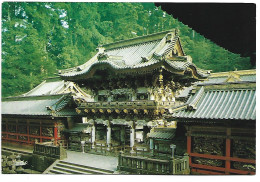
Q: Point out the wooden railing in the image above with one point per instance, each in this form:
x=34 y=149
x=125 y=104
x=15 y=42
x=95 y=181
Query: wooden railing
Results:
x=144 y=165
x=181 y=165
x=50 y=150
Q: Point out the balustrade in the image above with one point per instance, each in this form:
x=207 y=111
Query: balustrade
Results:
x=145 y=165
x=50 y=150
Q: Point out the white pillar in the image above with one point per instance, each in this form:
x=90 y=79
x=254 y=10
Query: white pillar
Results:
x=151 y=144
x=132 y=138
x=108 y=137
x=93 y=136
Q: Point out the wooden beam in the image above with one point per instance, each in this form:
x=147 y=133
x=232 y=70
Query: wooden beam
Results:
x=207 y=167
x=206 y=172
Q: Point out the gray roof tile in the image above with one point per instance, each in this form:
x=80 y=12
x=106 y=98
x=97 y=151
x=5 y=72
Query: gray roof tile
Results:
x=168 y=135
x=135 y=55
x=51 y=105
x=235 y=104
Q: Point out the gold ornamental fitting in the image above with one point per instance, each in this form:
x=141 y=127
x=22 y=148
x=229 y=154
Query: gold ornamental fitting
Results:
x=160 y=77
x=78 y=110
x=125 y=111
x=145 y=111
x=93 y=110
x=156 y=112
x=162 y=111
x=109 y=110
x=101 y=110
x=117 y=111
x=135 y=111
x=86 y=110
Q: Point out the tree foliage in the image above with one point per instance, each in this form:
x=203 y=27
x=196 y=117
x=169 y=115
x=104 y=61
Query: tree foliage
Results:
x=40 y=37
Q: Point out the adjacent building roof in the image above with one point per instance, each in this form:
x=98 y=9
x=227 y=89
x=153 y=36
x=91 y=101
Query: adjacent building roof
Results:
x=233 y=104
x=79 y=128
x=147 y=52
x=162 y=133
x=51 y=105
x=53 y=86
x=223 y=96
x=53 y=97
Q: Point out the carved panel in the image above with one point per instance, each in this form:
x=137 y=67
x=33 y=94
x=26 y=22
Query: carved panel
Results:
x=47 y=131
x=35 y=130
x=25 y=138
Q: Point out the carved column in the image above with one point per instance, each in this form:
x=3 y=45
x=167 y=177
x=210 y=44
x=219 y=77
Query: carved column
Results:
x=93 y=136
x=161 y=81
x=132 y=136
x=108 y=137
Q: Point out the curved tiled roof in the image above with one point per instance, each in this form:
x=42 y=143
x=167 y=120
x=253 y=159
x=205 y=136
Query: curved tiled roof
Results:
x=50 y=105
x=231 y=104
x=135 y=54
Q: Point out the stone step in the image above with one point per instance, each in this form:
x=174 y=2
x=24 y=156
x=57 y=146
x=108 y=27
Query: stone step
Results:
x=79 y=169
x=69 y=170
x=57 y=171
x=87 y=168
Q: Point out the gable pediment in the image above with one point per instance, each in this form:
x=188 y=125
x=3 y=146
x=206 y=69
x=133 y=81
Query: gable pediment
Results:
x=176 y=50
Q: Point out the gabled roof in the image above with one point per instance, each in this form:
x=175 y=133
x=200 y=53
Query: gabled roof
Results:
x=134 y=55
x=220 y=102
x=50 y=105
x=55 y=85
x=53 y=97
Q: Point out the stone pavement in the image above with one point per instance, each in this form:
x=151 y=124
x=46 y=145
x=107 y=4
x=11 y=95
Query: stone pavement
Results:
x=92 y=160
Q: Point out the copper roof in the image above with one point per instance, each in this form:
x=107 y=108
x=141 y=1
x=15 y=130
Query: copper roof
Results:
x=231 y=104
x=167 y=134
x=51 y=105
x=135 y=54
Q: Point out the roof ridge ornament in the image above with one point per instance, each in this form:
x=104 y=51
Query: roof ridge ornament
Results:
x=102 y=56
x=176 y=31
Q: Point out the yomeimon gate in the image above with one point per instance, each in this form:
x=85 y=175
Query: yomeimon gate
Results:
x=134 y=83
